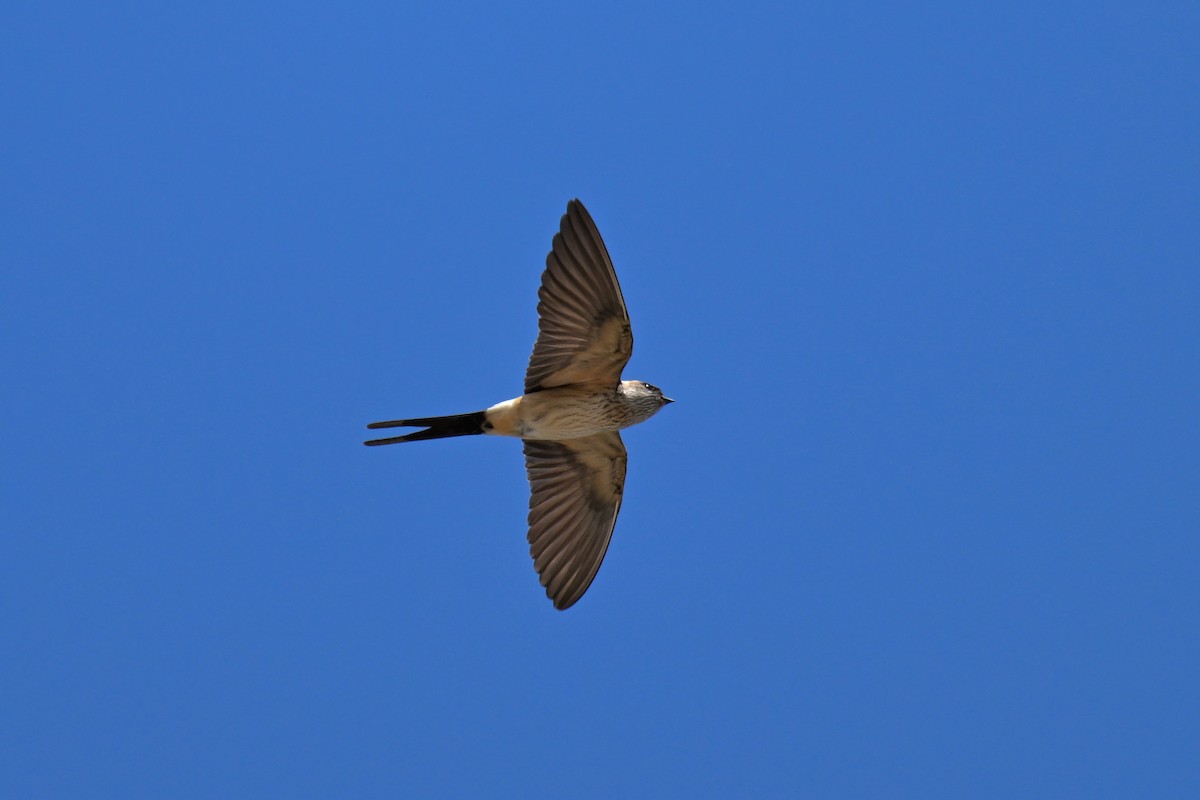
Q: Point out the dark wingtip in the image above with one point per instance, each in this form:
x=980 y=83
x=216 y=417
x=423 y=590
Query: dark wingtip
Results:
x=565 y=601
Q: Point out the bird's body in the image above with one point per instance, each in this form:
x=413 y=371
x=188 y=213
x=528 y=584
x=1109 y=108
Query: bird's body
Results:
x=569 y=412
x=574 y=404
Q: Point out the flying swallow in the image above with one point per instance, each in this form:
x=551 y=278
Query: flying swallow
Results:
x=569 y=416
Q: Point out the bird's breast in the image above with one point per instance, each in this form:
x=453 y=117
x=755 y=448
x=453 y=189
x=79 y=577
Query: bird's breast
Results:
x=571 y=412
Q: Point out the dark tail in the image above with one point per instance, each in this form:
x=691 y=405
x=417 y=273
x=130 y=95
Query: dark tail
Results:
x=437 y=427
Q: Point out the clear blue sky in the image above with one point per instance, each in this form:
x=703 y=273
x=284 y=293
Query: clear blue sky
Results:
x=925 y=283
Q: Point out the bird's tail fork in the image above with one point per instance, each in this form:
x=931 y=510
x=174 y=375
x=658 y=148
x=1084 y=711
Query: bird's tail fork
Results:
x=435 y=427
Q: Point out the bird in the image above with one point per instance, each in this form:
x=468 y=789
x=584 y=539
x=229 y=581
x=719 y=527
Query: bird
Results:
x=570 y=414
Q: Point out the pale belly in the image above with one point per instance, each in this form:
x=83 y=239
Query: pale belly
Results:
x=566 y=413
x=569 y=414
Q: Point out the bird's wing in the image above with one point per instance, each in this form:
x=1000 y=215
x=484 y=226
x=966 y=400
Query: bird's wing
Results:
x=576 y=489
x=583 y=327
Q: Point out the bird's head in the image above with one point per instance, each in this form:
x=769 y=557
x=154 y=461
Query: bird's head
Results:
x=647 y=397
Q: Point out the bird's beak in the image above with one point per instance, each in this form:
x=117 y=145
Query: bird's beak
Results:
x=667 y=399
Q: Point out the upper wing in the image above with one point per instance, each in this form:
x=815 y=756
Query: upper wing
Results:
x=576 y=489
x=583 y=327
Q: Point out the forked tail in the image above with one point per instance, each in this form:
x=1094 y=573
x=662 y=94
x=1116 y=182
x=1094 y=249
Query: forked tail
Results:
x=436 y=427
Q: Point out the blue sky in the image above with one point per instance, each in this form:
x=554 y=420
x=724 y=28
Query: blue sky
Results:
x=923 y=279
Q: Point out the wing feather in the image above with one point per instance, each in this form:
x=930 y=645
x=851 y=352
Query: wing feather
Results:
x=576 y=487
x=584 y=334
